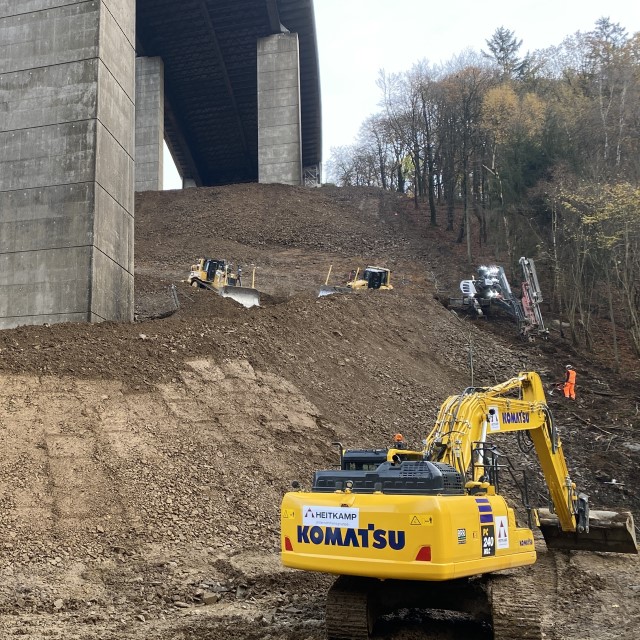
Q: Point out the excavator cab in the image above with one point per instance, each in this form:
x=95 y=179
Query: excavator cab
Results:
x=375 y=277
x=606 y=531
x=211 y=266
x=204 y=272
x=362 y=459
x=467 y=421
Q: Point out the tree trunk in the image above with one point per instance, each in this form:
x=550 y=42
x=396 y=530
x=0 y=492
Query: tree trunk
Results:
x=612 y=317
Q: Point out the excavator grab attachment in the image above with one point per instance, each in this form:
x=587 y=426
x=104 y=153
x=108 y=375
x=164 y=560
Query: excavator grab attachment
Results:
x=608 y=531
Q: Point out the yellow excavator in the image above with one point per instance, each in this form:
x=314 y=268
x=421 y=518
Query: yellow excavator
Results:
x=428 y=528
x=369 y=278
x=216 y=274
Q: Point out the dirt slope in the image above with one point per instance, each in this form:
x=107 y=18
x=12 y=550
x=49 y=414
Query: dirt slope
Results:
x=142 y=465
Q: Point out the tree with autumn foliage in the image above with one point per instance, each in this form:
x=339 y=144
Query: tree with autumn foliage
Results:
x=599 y=232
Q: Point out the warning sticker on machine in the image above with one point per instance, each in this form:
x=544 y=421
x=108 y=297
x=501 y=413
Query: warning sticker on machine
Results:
x=344 y=517
x=420 y=520
x=502 y=532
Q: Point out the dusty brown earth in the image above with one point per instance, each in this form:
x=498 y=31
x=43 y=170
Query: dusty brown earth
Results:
x=142 y=465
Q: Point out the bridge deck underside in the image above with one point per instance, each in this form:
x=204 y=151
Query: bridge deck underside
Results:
x=210 y=56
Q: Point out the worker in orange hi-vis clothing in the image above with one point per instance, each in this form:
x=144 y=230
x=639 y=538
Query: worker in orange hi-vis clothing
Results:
x=570 y=383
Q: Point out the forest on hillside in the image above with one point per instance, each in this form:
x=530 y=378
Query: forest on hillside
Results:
x=535 y=154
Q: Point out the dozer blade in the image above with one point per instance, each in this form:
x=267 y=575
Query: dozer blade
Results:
x=246 y=296
x=609 y=531
x=328 y=290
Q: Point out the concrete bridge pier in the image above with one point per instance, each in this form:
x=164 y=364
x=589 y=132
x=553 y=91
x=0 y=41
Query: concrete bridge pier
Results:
x=67 y=75
x=279 y=119
x=149 y=123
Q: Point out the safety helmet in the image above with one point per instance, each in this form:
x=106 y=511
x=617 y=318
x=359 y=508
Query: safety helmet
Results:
x=568 y=367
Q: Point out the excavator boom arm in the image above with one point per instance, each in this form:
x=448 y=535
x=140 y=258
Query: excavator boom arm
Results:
x=478 y=413
x=465 y=421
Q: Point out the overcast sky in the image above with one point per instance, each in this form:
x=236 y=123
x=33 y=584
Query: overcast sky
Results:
x=357 y=38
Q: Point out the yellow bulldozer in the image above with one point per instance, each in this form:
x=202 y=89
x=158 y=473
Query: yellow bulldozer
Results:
x=217 y=275
x=368 y=278
x=429 y=528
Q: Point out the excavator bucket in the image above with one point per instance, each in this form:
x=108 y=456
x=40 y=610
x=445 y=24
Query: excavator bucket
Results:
x=609 y=531
x=246 y=296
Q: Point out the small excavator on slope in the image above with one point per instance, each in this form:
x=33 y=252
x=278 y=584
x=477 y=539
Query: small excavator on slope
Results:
x=428 y=528
x=216 y=274
x=491 y=289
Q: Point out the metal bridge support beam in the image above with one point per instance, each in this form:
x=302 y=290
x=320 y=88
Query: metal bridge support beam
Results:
x=149 y=123
x=279 y=121
x=67 y=75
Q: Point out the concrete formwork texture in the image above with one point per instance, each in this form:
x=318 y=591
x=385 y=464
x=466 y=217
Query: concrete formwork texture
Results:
x=67 y=143
x=279 y=119
x=149 y=123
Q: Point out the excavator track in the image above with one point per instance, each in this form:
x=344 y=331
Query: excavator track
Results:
x=515 y=616
x=349 y=609
x=354 y=604
x=519 y=598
